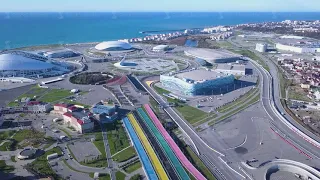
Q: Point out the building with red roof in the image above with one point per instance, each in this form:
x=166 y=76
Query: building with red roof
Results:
x=78 y=118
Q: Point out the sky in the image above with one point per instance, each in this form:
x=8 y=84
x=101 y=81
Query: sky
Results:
x=159 y=5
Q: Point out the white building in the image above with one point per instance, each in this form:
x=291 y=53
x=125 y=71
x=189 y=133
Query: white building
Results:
x=299 y=48
x=234 y=69
x=160 y=48
x=261 y=47
x=60 y=54
x=38 y=107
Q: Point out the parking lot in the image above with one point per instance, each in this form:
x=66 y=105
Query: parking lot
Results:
x=84 y=150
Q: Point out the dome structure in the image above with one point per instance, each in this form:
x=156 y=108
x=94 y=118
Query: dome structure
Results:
x=13 y=62
x=113 y=46
x=25 y=64
x=160 y=48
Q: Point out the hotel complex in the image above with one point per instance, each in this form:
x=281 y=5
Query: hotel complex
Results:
x=299 y=48
x=195 y=81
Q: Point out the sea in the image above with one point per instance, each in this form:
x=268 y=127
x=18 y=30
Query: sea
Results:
x=31 y=29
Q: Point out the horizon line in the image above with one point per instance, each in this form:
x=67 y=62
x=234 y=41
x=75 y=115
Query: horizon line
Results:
x=159 y=11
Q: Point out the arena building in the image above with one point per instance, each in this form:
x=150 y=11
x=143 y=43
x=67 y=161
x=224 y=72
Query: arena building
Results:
x=60 y=54
x=160 y=48
x=113 y=46
x=196 y=81
x=27 y=153
x=25 y=64
x=213 y=56
x=299 y=48
x=234 y=69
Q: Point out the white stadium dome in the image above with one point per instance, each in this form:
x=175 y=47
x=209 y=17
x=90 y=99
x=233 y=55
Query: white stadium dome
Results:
x=113 y=46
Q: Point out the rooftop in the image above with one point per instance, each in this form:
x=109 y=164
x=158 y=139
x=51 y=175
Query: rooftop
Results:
x=235 y=67
x=210 y=54
x=200 y=75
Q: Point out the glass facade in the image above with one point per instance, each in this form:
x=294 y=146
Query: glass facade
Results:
x=192 y=89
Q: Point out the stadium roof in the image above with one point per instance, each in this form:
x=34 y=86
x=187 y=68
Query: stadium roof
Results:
x=110 y=45
x=210 y=54
x=199 y=75
x=160 y=47
x=23 y=61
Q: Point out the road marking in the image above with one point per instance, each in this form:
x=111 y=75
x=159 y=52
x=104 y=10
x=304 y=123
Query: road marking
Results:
x=245 y=140
x=120 y=151
x=245 y=173
x=231 y=168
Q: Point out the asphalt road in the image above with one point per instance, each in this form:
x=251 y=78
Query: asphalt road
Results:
x=211 y=158
x=271 y=94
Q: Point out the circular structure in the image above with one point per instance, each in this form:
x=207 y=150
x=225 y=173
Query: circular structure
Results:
x=113 y=46
x=297 y=169
x=91 y=78
x=27 y=153
x=24 y=64
x=160 y=48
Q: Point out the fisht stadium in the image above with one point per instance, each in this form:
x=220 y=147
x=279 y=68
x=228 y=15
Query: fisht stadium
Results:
x=113 y=46
x=25 y=64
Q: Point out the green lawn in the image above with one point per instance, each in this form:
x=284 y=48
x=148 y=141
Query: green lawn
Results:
x=160 y=91
x=6 y=134
x=296 y=93
x=101 y=161
x=5 y=168
x=34 y=91
x=67 y=101
x=117 y=137
x=101 y=176
x=120 y=176
x=13 y=158
x=7 y=146
x=136 y=177
x=35 y=138
x=125 y=155
x=132 y=167
x=55 y=95
x=66 y=132
x=41 y=165
x=191 y=114
x=239 y=101
x=235 y=111
x=199 y=164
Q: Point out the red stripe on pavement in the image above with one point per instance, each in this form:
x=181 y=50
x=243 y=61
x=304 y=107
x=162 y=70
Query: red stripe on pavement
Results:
x=291 y=144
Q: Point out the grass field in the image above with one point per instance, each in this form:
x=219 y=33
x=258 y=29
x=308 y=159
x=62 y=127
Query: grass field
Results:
x=13 y=158
x=41 y=165
x=117 y=137
x=101 y=161
x=191 y=114
x=239 y=101
x=199 y=164
x=125 y=155
x=160 y=90
x=55 y=95
x=235 y=111
x=136 y=177
x=101 y=176
x=120 y=176
x=35 y=91
x=5 y=168
x=6 y=134
x=296 y=93
x=132 y=167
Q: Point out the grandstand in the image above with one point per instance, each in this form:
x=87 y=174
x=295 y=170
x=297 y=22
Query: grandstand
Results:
x=147 y=166
x=172 y=157
x=162 y=175
x=183 y=159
